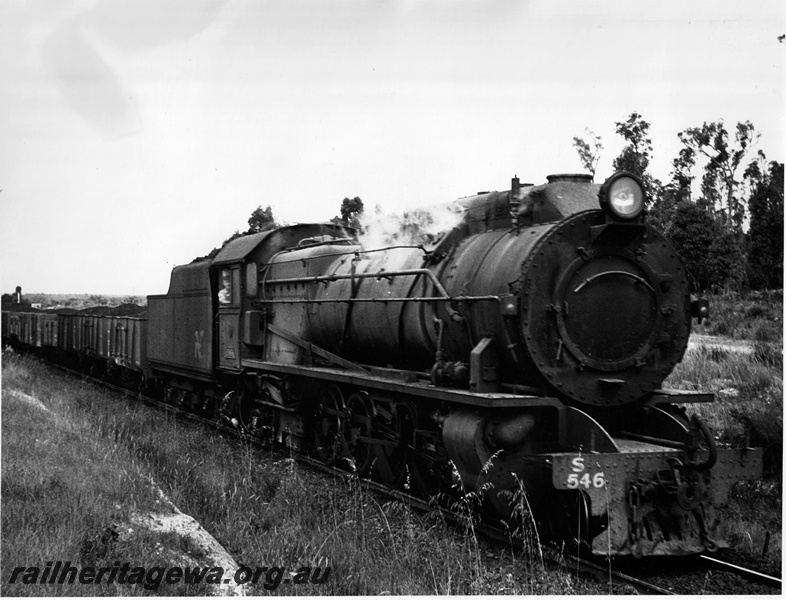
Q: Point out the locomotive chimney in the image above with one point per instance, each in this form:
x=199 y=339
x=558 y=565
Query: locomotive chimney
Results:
x=18 y=295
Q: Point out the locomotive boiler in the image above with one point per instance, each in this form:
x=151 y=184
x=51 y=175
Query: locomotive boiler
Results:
x=521 y=356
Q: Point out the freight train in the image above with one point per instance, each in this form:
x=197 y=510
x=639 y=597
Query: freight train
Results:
x=520 y=355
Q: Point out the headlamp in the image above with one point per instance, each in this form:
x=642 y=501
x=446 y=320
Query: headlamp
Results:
x=622 y=196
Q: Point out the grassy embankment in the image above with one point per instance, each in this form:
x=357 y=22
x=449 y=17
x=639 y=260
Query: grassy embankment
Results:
x=75 y=474
x=67 y=493
x=748 y=406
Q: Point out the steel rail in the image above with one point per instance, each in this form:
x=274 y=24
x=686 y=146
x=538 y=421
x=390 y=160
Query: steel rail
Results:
x=762 y=578
x=603 y=572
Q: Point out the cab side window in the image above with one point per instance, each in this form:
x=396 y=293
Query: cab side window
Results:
x=225 y=287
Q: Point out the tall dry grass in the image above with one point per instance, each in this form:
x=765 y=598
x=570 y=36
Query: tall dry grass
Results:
x=67 y=494
x=749 y=398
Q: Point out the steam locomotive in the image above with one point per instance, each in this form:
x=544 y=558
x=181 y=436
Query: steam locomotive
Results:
x=521 y=354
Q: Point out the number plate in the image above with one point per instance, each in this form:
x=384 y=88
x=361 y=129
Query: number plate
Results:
x=579 y=472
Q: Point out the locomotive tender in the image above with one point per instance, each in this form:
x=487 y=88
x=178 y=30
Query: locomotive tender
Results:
x=521 y=354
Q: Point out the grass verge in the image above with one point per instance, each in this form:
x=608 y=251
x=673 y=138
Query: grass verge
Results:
x=67 y=494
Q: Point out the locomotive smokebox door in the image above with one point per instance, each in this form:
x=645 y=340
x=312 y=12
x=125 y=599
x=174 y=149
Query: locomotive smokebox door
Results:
x=229 y=318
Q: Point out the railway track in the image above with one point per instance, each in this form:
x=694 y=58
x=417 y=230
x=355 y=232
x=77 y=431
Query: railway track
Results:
x=705 y=574
x=673 y=582
x=749 y=574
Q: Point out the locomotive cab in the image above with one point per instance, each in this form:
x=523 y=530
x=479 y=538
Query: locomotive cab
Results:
x=238 y=271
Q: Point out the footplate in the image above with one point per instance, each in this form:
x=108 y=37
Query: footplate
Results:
x=653 y=503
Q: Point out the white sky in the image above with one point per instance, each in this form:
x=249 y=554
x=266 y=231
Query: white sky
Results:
x=137 y=135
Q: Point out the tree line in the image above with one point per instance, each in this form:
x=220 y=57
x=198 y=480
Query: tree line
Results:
x=722 y=208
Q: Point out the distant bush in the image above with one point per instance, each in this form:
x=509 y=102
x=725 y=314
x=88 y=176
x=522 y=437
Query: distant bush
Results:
x=754 y=311
x=715 y=326
x=754 y=316
x=767 y=331
x=82 y=301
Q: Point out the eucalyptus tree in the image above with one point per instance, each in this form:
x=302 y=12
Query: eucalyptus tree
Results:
x=723 y=156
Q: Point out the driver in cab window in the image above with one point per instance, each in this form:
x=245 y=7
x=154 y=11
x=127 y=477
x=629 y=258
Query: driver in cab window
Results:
x=225 y=293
